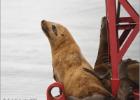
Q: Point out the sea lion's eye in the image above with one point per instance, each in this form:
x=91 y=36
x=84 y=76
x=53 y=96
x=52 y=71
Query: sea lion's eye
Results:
x=54 y=29
x=62 y=34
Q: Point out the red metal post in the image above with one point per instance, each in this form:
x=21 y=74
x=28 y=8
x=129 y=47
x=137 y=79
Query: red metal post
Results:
x=60 y=97
x=113 y=44
x=118 y=46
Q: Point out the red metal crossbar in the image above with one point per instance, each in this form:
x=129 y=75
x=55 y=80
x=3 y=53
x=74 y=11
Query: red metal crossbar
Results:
x=118 y=46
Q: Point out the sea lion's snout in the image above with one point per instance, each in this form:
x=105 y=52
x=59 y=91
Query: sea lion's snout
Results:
x=45 y=28
x=43 y=23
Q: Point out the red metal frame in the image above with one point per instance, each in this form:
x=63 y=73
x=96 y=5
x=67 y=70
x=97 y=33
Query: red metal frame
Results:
x=118 y=46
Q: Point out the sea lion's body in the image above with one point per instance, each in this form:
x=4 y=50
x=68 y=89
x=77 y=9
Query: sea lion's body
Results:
x=69 y=64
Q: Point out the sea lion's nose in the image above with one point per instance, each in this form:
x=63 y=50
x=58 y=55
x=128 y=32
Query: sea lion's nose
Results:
x=43 y=21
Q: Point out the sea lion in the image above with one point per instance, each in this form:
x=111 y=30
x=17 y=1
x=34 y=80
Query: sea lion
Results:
x=69 y=64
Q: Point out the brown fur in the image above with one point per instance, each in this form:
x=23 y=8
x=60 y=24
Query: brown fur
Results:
x=68 y=63
x=103 y=53
x=102 y=65
x=129 y=76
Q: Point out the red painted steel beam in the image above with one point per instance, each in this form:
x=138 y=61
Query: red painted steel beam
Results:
x=129 y=41
x=113 y=44
x=126 y=26
x=119 y=46
x=134 y=15
x=125 y=19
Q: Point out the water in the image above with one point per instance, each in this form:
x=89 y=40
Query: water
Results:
x=26 y=69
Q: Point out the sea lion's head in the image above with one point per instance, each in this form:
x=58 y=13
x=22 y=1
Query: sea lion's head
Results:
x=56 y=33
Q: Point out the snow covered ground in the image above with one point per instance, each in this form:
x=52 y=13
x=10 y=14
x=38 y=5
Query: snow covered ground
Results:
x=26 y=69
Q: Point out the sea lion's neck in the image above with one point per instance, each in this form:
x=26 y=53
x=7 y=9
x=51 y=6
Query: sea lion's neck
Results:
x=63 y=45
x=67 y=56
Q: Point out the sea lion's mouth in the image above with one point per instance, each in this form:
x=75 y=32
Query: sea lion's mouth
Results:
x=45 y=28
x=46 y=32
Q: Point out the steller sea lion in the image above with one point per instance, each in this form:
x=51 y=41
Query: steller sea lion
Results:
x=69 y=65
